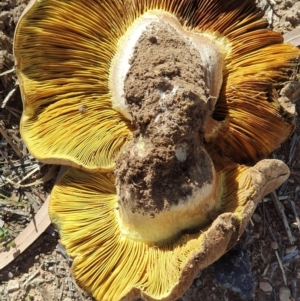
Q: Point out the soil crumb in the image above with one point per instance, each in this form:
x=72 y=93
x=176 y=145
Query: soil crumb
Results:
x=168 y=101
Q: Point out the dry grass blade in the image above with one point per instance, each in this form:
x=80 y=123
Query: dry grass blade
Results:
x=281 y=268
x=7 y=71
x=293 y=37
x=7 y=98
x=281 y=212
x=36 y=227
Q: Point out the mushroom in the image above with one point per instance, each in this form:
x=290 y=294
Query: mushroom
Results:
x=116 y=258
x=72 y=58
x=156 y=106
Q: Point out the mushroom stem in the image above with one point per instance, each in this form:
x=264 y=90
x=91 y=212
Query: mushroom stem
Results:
x=166 y=180
x=158 y=227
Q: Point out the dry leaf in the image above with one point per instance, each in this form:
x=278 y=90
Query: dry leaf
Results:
x=37 y=226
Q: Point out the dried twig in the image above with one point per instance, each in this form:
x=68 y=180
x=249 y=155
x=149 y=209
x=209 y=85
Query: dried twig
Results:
x=77 y=289
x=17 y=212
x=11 y=109
x=63 y=252
x=34 y=170
x=8 y=97
x=281 y=268
x=294 y=143
x=61 y=292
x=17 y=184
x=6 y=180
x=7 y=296
x=272 y=234
x=7 y=71
x=31 y=169
x=280 y=209
x=294 y=288
x=31 y=277
x=39 y=195
x=70 y=285
x=265 y=271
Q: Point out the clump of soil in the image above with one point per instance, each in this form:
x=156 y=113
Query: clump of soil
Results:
x=168 y=100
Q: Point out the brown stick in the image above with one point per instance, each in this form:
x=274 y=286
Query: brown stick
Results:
x=281 y=212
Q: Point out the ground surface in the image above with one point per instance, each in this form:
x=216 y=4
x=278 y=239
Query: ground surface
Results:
x=42 y=272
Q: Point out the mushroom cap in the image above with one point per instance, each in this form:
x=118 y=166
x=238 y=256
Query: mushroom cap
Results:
x=112 y=266
x=65 y=52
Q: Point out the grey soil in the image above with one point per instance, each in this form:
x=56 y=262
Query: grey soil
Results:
x=168 y=101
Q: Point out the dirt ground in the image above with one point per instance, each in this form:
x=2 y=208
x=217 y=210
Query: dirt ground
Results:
x=42 y=272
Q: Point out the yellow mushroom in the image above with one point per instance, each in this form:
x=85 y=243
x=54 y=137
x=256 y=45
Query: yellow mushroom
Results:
x=72 y=58
x=112 y=264
x=153 y=104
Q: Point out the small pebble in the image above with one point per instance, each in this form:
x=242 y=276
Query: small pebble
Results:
x=265 y=287
x=10 y=275
x=274 y=245
x=12 y=286
x=256 y=217
x=284 y=294
x=198 y=282
x=51 y=269
x=67 y=299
